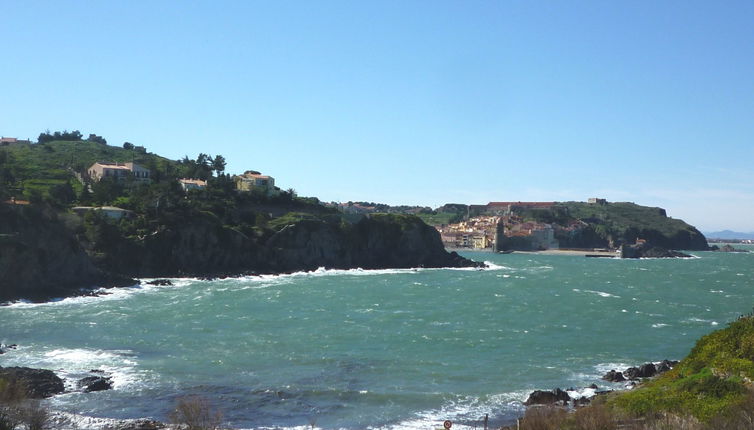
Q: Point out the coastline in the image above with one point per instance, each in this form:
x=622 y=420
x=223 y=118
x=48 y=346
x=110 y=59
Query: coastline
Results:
x=572 y=252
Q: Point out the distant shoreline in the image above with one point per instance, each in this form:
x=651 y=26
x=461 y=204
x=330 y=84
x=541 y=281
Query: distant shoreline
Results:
x=576 y=252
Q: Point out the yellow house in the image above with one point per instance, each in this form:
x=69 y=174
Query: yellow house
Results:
x=118 y=171
x=254 y=181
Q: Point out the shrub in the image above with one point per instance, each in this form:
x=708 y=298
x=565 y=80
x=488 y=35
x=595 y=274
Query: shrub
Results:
x=196 y=413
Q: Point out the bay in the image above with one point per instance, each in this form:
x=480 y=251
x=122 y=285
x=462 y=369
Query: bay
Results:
x=388 y=349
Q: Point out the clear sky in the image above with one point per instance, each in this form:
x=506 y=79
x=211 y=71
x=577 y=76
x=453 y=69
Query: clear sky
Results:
x=410 y=102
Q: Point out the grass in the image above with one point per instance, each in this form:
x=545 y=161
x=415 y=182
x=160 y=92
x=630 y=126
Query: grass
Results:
x=712 y=381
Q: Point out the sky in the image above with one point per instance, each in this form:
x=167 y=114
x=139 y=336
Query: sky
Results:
x=410 y=102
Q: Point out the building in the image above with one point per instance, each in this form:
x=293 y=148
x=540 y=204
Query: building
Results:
x=596 y=201
x=118 y=171
x=253 y=181
x=5 y=141
x=192 y=184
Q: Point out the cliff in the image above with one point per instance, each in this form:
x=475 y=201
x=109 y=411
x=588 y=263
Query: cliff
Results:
x=40 y=258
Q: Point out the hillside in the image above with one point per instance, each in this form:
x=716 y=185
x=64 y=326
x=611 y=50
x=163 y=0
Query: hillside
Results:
x=713 y=383
x=42 y=166
x=159 y=229
x=580 y=224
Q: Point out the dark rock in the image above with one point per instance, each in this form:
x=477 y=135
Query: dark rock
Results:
x=556 y=396
x=40 y=259
x=39 y=383
x=647 y=370
x=138 y=424
x=614 y=376
x=645 y=250
x=665 y=365
x=95 y=383
x=728 y=248
x=160 y=282
x=593 y=386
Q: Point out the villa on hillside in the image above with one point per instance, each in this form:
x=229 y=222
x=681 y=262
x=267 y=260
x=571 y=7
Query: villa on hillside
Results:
x=5 y=141
x=253 y=181
x=118 y=171
x=192 y=184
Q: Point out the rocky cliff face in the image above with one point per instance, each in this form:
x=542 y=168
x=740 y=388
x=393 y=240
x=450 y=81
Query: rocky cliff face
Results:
x=40 y=259
x=375 y=242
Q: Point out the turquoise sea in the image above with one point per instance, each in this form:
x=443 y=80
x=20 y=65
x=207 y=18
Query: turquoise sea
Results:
x=383 y=349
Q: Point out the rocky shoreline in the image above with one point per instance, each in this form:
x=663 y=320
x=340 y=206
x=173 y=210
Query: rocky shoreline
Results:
x=632 y=375
x=43 y=383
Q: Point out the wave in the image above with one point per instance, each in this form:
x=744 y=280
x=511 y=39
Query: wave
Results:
x=599 y=293
x=72 y=364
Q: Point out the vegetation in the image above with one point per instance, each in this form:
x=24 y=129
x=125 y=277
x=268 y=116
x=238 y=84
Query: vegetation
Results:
x=710 y=389
x=17 y=411
x=195 y=413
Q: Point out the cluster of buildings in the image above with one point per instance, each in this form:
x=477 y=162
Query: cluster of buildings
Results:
x=250 y=181
x=476 y=233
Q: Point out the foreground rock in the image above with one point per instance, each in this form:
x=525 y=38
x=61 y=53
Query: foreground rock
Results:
x=39 y=383
x=645 y=250
x=556 y=396
x=646 y=370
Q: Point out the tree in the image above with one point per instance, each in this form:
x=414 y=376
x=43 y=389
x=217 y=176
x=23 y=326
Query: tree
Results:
x=62 y=194
x=128 y=145
x=96 y=139
x=218 y=164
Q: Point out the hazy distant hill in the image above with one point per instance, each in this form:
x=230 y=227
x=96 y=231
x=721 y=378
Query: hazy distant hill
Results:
x=727 y=234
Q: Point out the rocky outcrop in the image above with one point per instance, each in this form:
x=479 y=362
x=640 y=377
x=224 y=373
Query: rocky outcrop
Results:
x=556 y=396
x=38 y=383
x=646 y=370
x=40 y=259
x=646 y=250
x=726 y=248
x=95 y=383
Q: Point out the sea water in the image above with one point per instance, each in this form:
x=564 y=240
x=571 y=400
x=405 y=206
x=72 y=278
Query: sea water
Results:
x=382 y=349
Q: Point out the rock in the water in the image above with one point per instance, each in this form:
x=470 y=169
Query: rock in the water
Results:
x=95 y=383
x=161 y=282
x=645 y=250
x=539 y=397
x=728 y=248
x=614 y=376
x=39 y=383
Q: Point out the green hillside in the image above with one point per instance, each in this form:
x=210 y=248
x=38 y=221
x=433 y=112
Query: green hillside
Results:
x=713 y=382
x=43 y=166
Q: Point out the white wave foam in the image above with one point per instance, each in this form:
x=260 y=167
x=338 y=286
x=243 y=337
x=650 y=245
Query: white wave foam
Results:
x=659 y=325
x=599 y=293
x=469 y=409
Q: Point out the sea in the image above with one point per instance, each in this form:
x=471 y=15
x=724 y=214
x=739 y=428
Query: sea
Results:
x=377 y=349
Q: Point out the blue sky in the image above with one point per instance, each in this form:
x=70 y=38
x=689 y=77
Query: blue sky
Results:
x=410 y=102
